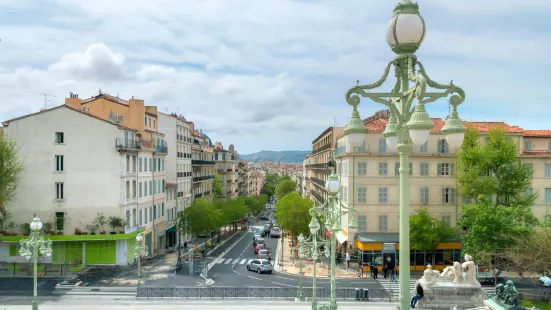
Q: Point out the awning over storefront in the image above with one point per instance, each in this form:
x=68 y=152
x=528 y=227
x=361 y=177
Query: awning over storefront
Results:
x=341 y=236
x=171 y=228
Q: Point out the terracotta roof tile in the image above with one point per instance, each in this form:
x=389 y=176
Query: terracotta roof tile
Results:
x=487 y=126
x=379 y=124
x=538 y=133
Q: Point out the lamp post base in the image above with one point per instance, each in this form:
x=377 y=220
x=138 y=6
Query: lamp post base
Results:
x=35 y=304
x=324 y=307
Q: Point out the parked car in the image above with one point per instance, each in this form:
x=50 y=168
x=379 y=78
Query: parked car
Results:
x=264 y=253
x=258 y=248
x=275 y=232
x=260 y=266
x=545 y=281
x=256 y=236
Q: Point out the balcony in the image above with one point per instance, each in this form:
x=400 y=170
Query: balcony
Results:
x=229 y=181
x=203 y=178
x=199 y=195
x=317 y=196
x=318 y=181
x=199 y=162
x=325 y=166
x=161 y=149
x=229 y=170
x=128 y=145
x=321 y=149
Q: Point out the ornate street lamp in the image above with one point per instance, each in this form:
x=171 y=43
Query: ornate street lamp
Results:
x=33 y=247
x=301 y=255
x=140 y=250
x=407 y=125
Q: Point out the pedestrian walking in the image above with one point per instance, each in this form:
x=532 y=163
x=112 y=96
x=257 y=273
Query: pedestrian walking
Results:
x=375 y=272
x=385 y=270
x=185 y=246
x=347 y=260
x=389 y=266
x=418 y=295
x=393 y=278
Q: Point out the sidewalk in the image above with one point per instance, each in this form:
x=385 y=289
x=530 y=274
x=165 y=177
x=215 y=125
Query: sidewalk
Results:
x=291 y=264
x=23 y=270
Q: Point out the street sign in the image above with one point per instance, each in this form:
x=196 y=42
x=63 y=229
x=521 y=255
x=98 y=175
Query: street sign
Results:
x=389 y=246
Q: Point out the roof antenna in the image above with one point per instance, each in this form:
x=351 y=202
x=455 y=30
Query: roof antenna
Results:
x=46 y=100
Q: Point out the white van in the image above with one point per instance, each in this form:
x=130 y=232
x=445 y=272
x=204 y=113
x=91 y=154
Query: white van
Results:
x=275 y=232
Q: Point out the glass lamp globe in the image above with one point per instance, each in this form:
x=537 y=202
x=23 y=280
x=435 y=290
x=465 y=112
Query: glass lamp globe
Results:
x=419 y=136
x=139 y=237
x=301 y=253
x=392 y=142
x=455 y=139
x=333 y=185
x=406 y=28
x=314 y=226
x=355 y=139
x=36 y=224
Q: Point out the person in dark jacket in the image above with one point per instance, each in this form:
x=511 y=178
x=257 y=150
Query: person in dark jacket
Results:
x=375 y=271
x=418 y=295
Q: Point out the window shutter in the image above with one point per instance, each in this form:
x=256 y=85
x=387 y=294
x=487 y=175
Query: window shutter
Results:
x=397 y=168
x=452 y=195
x=443 y=195
x=452 y=169
x=439 y=169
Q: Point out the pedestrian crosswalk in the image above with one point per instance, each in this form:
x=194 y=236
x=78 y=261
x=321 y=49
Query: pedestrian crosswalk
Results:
x=234 y=261
x=394 y=286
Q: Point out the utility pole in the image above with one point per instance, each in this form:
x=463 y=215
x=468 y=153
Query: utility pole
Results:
x=46 y=100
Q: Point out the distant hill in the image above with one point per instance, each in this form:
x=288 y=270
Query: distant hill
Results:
x=283 y=156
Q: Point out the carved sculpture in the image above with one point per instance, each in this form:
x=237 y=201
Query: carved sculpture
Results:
x=469 y=275
x=507 y=296
x=458 y=274
x=430 y=275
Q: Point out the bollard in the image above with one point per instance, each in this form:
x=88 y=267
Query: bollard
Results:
x=357 y=294
x=366 y=294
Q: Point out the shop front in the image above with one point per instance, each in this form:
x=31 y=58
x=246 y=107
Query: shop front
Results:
x=383 y=247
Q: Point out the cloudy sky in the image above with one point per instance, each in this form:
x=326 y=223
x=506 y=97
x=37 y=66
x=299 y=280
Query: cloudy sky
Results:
x=270 y=74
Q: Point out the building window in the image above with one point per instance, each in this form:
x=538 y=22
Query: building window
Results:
x=383 y=169
x=362 y=168
x=383 y=223
x=424 y=169
x=362 y=223
x=59 y=194
x=362 y=195
x=145 y=216
x=59 y=163
x=424 y=148
x=382 y=145
x=154 y=212
x=140 y=217
x=151 y=214
x=528 y=192
x=127 y=163
x=448 y=195
x=397 y=168
x=527 y=145
x=127 y=189
x=549 y=146
x=140 y=190
x=442 y=146
x=151 y=188
x=446 y=169
x=548 y=196
x=59 y=220
x=59 y=138
x=134 y=164
x=145 y=121
x=383 y=195
x=134 y=191
x=446 y=220
x=140 y=160
x=163 y=209
x=548 y=170
x=424 y=195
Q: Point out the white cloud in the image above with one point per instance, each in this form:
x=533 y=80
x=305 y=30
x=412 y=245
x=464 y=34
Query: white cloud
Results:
x=263 y=75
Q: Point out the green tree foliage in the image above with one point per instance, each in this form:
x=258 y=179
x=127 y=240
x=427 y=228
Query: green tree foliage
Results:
x=285 y=188
x=201 y=218
x=271 y=178
x=292 y=212
x=255 y=204
x=10 y=170
x=268 y=189
x=426 y=231
x=232 y=210
x=216 y=187
x=283 y=178
x=490 y=229
x=493 y=169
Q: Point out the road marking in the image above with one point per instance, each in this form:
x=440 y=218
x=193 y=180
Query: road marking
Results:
x=228 y=261
x=220 y=261
x=284 y=284
x=285 y=278
x=236 y=271
x=254 y=278
x=250 y=260
x=242 y=261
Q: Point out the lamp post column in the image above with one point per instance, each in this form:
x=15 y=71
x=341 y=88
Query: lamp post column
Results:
x=404 y=278
x=333 y=301
x=34 y=247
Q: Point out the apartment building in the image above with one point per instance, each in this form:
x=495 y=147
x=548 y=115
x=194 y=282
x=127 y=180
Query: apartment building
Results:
x=178 y=167
x=226 y=166
x=318 y=163
x=202 y=166
x=78 y=168
x=258 y=176
x=150 y=181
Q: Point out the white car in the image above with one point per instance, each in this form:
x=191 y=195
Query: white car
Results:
x=545 y=281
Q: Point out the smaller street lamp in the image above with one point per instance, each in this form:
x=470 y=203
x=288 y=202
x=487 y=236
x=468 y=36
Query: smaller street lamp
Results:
x=33 y=247
x=301 y=255
x=139 y=251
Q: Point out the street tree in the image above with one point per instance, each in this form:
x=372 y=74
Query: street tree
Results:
x=427 y=232
x=284 y=188
x=487 y=229
x=537 y=244
x=292 y=212
x=271 y=178
x=10 y=170
x=216 y=187
x=283 y=178
x=493 y=169
x=268 y=189
x=201 y=218
x=231 y=210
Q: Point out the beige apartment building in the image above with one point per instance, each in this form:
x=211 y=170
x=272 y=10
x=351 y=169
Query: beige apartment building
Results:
x=318 y=165
x=226 y=166
x=202 y=163
x=369 y=174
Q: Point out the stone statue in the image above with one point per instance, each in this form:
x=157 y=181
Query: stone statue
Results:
x=429 y=275
x=469 y=275
x=507 y=296
x=453 y=273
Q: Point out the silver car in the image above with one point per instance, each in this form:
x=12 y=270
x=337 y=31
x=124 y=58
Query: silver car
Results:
x=260 y=266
